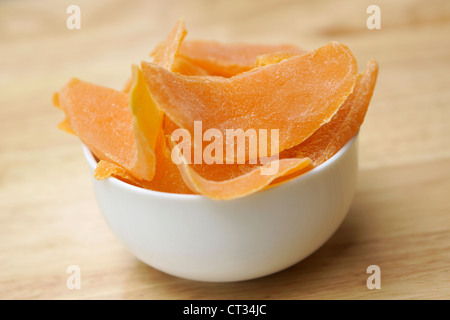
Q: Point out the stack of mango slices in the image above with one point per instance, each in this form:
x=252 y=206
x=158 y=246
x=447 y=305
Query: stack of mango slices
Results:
x=316 y=100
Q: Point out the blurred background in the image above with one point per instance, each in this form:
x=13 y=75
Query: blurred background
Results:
x=48 y=214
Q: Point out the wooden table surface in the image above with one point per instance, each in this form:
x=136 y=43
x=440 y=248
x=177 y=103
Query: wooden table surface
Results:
x=400 y=217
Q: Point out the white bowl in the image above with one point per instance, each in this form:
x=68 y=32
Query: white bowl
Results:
x=194 y=237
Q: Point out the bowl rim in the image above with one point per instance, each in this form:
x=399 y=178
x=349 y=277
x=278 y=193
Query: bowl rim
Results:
x=177 y=196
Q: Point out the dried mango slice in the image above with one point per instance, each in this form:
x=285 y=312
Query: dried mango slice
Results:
x=214 y=181
x=66 y=126
x=165 y=52
x=148 y=120
x=166 y=179
x=235 y=180
x=94 y=112
x=228 y=59
x=106 y=169
x=332 y=136
x=127 y=86
x=102 y=119
x=230 y=181
x=99 y=116
x=271 y=58
x=188 y=68
x=240 y=186
x=296 y=96
x=289 y=176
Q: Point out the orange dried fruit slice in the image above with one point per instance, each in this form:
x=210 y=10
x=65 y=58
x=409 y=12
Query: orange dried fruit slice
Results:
x=289 y=176
x=165 y=52
x=240 y=186
x=127 y=86
x=186 y=67
x=147 y=122
x=231 y=181
x=271 y=58
x=99 y=116
x=66 y=126
x=332 y=136
x=295 y=96
x=166 y=179
x=228 y=59
x=94 y=113
x=217 y=180
x=102 y=119
x=106 y=169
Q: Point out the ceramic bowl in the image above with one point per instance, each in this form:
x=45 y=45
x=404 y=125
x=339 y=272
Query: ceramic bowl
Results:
x=194 y=237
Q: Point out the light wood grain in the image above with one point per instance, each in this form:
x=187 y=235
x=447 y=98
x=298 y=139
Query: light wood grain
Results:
x=400 y=218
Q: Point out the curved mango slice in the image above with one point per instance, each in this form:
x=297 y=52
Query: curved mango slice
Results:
x=228 y=59
x=165 y=52
x=188 y=68
x=94 y=113
x=147 y=125
x=295 y=96
x=272 y=58
x=100 y=117
x=166 y=179
x=106 y=169
x=147 y=122
x=66 y=126
x=238 y=185
x=332 y=136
